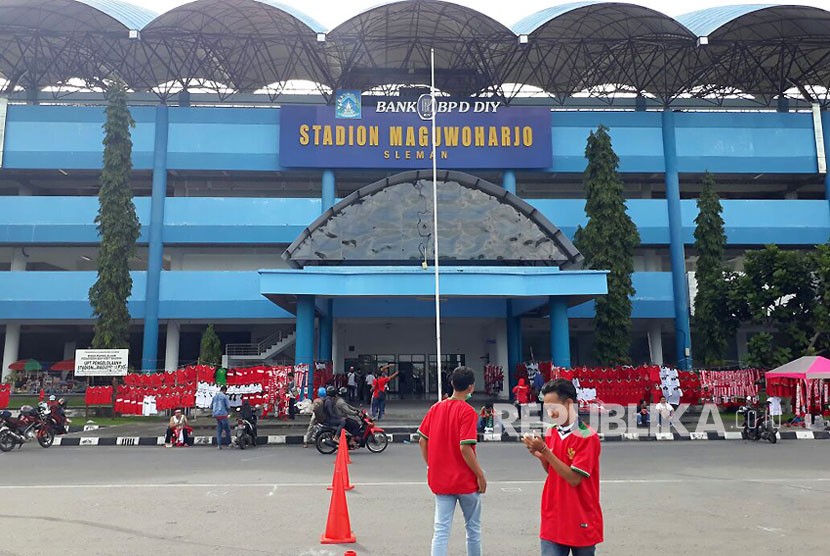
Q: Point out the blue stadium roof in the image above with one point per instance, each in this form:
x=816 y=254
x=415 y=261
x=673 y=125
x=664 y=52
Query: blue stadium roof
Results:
x=129 y=15
x=704 y=22
x=530 y=23
x=591 y=47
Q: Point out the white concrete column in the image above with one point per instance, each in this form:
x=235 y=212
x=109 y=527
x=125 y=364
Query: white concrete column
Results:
x=336 y=348
x=655 y=336
x=176 y=260
x=500 y=326
x=12 y=342
x=69 y=349
x=655 y=343
x=171 y=354
x=10 y=347
x=18 y=263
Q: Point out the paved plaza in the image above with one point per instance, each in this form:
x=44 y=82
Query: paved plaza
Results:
x=659 y=498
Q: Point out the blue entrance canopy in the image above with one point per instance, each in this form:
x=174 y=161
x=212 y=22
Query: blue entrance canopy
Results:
x=538 y=283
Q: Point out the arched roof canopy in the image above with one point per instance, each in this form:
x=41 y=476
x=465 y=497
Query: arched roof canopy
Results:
x=764 y=49
x=579 y=46
x=246 y=43
x=391 y=44
x=390 y=222
x=50 y=41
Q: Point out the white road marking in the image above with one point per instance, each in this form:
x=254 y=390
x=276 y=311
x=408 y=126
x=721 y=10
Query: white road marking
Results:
x=275 y=486
x=273 y=490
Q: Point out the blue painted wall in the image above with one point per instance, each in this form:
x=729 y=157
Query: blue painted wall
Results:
x=216 y=220
x=69 y=137
x=236 y=295
x=184 y=295
x=653 y=299
x=204 y=138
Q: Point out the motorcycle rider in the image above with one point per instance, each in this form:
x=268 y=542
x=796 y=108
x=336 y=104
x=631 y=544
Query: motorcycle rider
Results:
x=337 y=410
x=248 y=414
x=318 y=415
x=58 y=414
x=350 y=413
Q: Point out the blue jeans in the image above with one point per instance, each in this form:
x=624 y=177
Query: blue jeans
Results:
x=553 y=549
x=444 y=510
x=378 y=407
x=222 y=425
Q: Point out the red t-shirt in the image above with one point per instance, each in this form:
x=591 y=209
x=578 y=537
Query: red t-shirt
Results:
x=449 y=424
x=522 y=394
x=572 y=515
x=380 y=385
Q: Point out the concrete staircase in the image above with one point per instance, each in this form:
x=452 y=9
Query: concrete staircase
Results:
x=249 y=354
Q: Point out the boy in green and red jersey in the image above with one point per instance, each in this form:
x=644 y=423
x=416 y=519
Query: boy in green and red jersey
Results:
x=448 y=439
x=571 y=513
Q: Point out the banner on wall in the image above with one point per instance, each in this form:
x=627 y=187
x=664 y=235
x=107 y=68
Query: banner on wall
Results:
x=470 y=135
x=101 y=362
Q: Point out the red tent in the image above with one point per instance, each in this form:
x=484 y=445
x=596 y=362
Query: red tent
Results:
x=65 y=365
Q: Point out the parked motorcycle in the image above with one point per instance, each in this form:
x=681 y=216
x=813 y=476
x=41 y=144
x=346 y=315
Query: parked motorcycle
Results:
x=757 y=425
x=30 y=424
x=245 y=432
x=371 y=436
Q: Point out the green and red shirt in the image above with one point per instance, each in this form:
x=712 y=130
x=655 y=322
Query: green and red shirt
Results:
x=572 y=516
x=447 y=426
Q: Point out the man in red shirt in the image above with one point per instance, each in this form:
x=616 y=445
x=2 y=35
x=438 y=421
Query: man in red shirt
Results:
x=571 y=513
x=379 y=392
x=448 y=439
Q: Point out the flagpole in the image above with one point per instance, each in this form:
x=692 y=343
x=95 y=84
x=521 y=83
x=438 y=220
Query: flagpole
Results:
x=438 y=361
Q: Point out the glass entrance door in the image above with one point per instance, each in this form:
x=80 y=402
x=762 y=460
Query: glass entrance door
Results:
x=449 y=361
x=412 y=377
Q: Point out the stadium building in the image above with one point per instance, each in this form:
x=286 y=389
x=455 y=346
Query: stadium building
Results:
x=282 y=172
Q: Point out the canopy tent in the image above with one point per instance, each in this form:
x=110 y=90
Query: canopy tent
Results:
x=26 y=365
x=65 y=365
x=805 y=368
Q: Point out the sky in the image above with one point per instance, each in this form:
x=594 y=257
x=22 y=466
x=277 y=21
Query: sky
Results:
x=331 y=12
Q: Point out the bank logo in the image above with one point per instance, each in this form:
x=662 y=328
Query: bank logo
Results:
x=425 y=106
x=348 y=105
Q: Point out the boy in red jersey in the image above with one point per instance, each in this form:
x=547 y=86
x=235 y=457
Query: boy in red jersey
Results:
x=571 y=513
x=448 y=439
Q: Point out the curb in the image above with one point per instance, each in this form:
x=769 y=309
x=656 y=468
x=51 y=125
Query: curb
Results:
x=411 y=438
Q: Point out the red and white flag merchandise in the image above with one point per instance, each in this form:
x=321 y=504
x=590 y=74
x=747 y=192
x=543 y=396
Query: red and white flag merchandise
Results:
x=5 y=395
x=98 y=395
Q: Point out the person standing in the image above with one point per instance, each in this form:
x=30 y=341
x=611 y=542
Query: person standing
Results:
x=571 y=513
x=521 y=393
x=220 y=406
x=351 y=381
x=369 y=383
x=292 y=392
x=379 y=392
x=664 y=412
x=448 y=438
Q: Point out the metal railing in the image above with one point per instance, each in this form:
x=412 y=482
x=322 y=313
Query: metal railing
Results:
x=254 y=349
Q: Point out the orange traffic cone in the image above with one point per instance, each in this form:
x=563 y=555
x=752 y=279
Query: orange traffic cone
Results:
x=338 y=525
x=341 y=466
x=343 y=445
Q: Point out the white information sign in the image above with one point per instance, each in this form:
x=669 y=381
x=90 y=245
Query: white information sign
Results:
x=101 y=362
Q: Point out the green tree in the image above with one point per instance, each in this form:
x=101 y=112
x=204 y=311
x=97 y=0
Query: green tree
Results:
x=607 y=242
x=711 y=325
x=210 y=352
x=118 y=227
x=779 y=291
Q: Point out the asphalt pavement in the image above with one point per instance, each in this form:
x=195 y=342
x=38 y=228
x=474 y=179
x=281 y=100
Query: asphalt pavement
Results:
x=680 y=498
